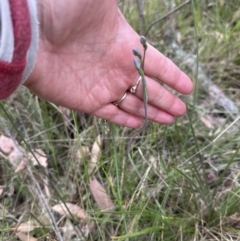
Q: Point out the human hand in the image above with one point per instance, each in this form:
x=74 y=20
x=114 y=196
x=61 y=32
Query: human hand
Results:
x=85 y=63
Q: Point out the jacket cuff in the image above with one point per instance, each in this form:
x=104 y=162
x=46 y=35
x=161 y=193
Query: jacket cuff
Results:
x=32 y=52
x=18 y=43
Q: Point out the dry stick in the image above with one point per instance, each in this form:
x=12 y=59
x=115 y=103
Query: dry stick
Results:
x=42 y=198
x=141 y=16
x=167 y=15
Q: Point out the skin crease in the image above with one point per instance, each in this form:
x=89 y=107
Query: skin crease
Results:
x=85 y=63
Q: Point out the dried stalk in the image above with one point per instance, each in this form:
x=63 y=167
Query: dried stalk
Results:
x=141 y=16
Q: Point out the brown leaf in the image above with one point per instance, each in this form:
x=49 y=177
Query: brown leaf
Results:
x=100 y=195
x=1 y=190
x=211 y=178
x=21 y=166
x=24 y=237
x=46 y=188
x=95 y=154
x=65 y=111
x=26 y=227
x=207 y=122
x=236 y=16
x=68 y=230
x=74 y=209
x=41 y=157
x=233 y=220
x=7 y=145
x=15 y=157
x=82 y=153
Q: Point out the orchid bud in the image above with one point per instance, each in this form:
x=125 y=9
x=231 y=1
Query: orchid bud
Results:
x=143 y=41
x=137 y=63
x=137 y=53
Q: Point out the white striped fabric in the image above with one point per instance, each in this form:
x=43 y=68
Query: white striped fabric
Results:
x=32 y=53
x=6 y=32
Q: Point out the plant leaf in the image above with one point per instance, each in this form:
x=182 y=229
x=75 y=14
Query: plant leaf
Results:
x=7 y=145
x=100 y=195
x=74 y=209
x=24 y=237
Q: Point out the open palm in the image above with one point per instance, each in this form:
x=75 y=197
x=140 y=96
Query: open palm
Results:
x=85 y=63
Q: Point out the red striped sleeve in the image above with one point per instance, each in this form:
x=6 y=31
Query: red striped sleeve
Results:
x=11 y=73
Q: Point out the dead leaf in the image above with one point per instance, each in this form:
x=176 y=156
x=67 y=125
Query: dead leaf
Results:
x=219 y=36
x=236 y=16
x=1 y=190
x=211 y=178
x=81 y=230
x=46 y=189
x=100 y=195
x=234 y=220
x=24 y=237
x=153 y=162
x=74 y=209
x=41 y=157
x=68 y=230
x=65 y=111
x=15 y=157
x=7 y=145
x=21 y=166
x=221 y=2
x=82 y=153
x=26 y=227
x=207 y=122
x=95 y=154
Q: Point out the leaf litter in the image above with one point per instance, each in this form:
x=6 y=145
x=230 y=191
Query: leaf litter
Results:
x=19 y=158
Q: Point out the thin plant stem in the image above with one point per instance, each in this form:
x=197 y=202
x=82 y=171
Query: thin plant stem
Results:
x=144 y=126
x=197 y=55
x=166 y=15
x=141 y=15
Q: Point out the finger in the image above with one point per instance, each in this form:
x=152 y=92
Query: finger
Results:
x=161 y=98
x=135 y=106
x=115 y=115
x=160 y=67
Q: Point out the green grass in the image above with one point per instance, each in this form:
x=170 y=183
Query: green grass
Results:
x=196 y=193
